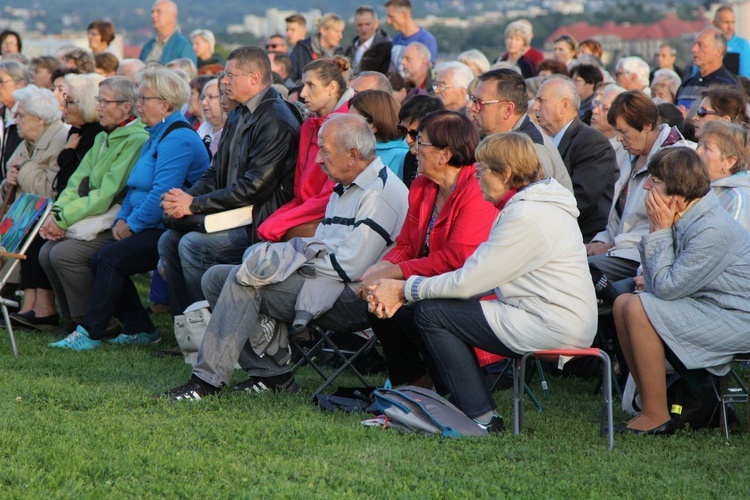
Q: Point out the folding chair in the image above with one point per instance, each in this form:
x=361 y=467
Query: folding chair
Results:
x=326 y=345
x=18 y=229
x=734 y=395
x=519 y=384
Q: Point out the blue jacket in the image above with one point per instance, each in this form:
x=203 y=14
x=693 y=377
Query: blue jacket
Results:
x=740 y=46
x=177 y=46
x=177 y=160
x=392 y=154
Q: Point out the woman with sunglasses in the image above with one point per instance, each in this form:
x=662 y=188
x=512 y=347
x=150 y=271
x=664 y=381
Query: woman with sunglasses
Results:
x=324 y=92
x=721 y=103
x=413 y=110
x=446 y=221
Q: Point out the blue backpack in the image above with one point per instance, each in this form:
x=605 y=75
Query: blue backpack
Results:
x=414 y=409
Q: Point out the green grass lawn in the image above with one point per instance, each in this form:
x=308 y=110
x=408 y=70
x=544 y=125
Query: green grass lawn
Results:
x=84 y=425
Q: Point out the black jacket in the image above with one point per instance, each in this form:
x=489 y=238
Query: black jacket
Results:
x=254 y=168
x=377 y=57
x=303 y=53
x=593 y=169
x=69 y=158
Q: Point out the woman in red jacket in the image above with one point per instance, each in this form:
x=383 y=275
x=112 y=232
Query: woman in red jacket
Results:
x=447 y=219
x=324 y=92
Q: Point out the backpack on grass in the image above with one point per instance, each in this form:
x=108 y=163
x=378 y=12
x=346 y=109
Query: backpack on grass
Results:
x=414 y=409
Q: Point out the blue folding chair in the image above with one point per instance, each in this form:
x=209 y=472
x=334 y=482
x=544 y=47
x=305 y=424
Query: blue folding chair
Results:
x=18 y=229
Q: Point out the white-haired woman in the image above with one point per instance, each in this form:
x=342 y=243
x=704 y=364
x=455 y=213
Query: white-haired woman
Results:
x=31 y=169
x=323 y=45
x=173 y=157
x=474 y=59
x=518 y=36
x=204 y=44
x=665 y=84
x=80 y=113
x=214 y=117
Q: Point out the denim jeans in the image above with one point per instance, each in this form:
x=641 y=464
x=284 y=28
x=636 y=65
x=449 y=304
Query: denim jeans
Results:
x=236 y=311
x=450 y=330
x=186 y=256
x=114 y=294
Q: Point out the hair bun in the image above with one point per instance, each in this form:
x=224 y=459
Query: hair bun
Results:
x=343 y=63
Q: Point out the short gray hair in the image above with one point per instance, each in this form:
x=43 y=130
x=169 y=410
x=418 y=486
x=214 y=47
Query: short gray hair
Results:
x=381 y=81
x=520 y=29
x=39 y=102
x=476 y=58
x=719 y=38
x=351 y=132
x=185 y=64
x=83 y=89
x=564 y=89
x=462 y=74
x=124 y=90
x=669 y=77
x=167 y=85
x=636 y=66
x=422 y=50
x=16 y=70
x=207 y=35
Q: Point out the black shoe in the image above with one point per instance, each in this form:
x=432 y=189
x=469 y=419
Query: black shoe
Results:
x=496 y=424
x=263 y=384
x=194 y=390
x=665 y=429
x=29 y=319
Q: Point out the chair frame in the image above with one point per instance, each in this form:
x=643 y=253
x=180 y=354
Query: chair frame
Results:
x=519 y=384
x=326 y=344
x=9 y=267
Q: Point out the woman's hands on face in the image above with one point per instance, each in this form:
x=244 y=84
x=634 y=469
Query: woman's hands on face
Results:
x=661 y=210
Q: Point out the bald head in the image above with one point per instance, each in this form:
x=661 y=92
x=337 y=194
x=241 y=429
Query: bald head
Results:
x=556 y=105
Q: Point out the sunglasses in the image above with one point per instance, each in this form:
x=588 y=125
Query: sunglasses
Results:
x=407 y=131
x=703 y=112
x=272 y=46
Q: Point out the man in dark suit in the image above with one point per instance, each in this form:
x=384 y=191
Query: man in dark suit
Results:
x=586 y=152
x=371 y=48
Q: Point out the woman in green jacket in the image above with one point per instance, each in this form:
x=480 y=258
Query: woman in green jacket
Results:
x=98 y=183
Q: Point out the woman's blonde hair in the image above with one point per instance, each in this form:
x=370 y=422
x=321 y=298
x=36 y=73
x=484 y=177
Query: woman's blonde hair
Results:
x=731 y=140
x=513 y=153
x=166 y=84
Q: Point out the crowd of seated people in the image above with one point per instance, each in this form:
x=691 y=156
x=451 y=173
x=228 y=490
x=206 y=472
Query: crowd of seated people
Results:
x=447 y=207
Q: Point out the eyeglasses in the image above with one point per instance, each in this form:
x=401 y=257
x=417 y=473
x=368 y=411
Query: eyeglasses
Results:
x=479 y=104
x=618 y=74
x=480 y=169
x=3 y=82
x=420 y=144
x=703 y=112
x=144 y=98
x=441 y=86
x=273 y=46
x=407 y=131
x=69 y=102
x=103 y=102
x=210 y=97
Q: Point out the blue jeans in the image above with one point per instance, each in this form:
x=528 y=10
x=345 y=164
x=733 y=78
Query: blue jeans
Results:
x=186 y=256
x=114 y=293
x=450 y=330
x=236 y=311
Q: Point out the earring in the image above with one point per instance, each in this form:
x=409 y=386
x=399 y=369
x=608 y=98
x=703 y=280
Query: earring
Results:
x=163 y=118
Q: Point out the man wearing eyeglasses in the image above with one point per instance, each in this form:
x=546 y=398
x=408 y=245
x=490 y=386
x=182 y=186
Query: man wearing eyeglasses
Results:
x=254 y=165
x=500 y=104
x=451 y=85
x=708 y=55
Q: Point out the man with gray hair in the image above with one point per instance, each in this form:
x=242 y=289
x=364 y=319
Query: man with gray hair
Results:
x=15 y=76
x=587 y=154
x=363 y=217
x=632 y=73
x=451 y=85
x=130 y=68
x=416 y=69
x=371 y=80
x=708 y=55
x=737 y=59
x=169 y=43
x=371 y=48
